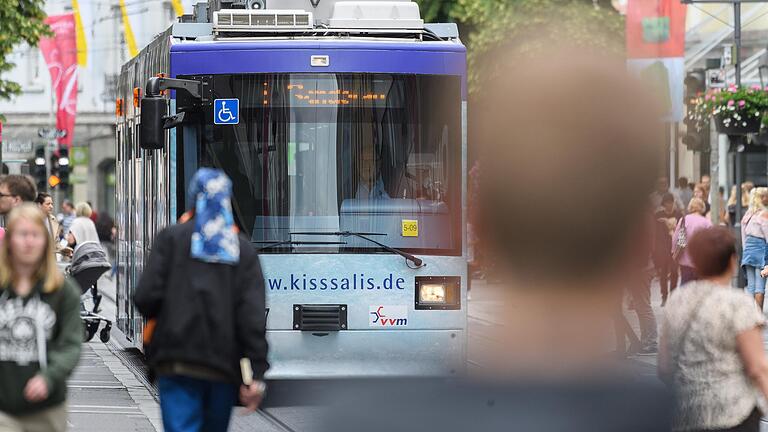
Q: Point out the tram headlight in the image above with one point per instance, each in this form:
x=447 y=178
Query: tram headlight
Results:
x=432 y=293
x=438 y=292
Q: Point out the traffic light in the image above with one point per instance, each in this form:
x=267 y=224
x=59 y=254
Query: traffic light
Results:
x=696 y=140
x=697 y=135
x=695 y=84
x=64 y=168
x=39 y=170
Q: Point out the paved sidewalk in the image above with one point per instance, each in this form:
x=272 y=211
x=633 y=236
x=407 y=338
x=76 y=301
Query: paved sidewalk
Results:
x=104 y=395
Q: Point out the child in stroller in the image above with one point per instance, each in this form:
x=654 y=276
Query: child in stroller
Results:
x=89 y=262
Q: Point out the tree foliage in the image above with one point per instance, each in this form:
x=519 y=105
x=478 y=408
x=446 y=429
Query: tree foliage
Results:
x=521 y=28
x=20 y=21
x=436 y=10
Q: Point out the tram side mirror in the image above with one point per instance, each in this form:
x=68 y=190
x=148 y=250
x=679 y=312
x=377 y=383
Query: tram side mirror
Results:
x=153 y=118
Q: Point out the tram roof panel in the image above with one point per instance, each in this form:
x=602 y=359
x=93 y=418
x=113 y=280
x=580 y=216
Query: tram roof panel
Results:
x=330 y=43
x=294 y=56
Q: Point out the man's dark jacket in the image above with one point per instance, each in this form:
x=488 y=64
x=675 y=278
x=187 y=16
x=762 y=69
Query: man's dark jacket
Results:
x=208 y=315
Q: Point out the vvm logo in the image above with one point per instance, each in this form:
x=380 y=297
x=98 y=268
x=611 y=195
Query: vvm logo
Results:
x=388 y=316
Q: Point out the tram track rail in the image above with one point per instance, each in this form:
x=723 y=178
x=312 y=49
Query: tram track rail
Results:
x=274 y=420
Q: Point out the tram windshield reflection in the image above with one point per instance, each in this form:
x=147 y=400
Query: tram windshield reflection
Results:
x=335 y=152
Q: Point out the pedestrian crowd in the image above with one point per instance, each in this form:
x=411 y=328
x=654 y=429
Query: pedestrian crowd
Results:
x=207 y=350
x=710 y=345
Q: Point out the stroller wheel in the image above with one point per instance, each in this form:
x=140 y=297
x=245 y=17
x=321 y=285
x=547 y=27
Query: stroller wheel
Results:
x=89 y=332
x=104 y=334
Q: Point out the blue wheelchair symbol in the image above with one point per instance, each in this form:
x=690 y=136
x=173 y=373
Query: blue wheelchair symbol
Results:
x=226 y=111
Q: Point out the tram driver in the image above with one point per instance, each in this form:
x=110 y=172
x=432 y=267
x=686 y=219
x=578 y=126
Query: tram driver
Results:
x=370 y=184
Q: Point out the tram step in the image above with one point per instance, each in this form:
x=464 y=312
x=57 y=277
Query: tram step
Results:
x=316 y=317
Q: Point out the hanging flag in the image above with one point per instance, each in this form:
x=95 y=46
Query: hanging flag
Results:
x=130 y=40
x=655 y=44
x=177 y=7
x=82 y=46
x=60 y=53
x=655 y=28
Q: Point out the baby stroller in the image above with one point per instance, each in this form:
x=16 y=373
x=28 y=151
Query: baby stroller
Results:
x=89 y=262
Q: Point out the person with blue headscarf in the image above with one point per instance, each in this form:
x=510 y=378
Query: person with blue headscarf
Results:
x=202 y=291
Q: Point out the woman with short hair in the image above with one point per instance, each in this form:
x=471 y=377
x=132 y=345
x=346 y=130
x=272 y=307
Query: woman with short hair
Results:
x=83 y=209
x=40 y=329
x=711 y=347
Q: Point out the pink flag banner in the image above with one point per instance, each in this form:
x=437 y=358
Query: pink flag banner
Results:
x=60 y=53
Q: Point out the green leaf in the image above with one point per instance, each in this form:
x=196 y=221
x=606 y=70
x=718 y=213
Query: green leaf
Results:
x=21 y=22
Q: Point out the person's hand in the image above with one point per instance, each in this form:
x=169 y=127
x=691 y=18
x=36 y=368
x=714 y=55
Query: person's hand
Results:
x=251 y=396
x=764 y=272
x=36 y=389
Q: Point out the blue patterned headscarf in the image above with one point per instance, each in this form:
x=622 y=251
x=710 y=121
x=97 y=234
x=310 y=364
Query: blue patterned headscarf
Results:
x=215 y=239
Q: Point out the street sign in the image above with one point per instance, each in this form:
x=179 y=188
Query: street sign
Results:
x=226 y=111
x=17 y=146
x=80 y=156
x=79 y=179
x=716 y=78
x=728 y=54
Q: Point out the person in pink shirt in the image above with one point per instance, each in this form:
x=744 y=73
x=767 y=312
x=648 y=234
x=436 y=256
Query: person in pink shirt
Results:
x=692 y=222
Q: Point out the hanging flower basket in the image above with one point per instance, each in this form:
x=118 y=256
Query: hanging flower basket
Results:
x=737 y=124
x=736 y=110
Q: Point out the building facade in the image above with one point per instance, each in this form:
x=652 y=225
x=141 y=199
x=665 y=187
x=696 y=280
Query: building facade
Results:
x=93 y=146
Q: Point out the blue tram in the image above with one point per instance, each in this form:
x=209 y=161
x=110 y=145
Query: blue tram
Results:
x=343 y=127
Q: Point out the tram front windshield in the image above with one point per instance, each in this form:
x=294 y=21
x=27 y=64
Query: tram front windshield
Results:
x=323 y=153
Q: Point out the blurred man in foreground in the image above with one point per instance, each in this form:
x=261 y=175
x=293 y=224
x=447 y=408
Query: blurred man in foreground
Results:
x=592 y=138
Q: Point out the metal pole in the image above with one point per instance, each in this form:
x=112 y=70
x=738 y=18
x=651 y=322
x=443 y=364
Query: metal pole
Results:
x=737 y=59
x=673 y=154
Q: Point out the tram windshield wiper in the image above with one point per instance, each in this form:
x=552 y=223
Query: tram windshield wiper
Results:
x=418 y=262
x=276 y=243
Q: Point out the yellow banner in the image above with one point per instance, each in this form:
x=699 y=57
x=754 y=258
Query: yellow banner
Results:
x=82 y=46
x=178 y=7
x=129 y=39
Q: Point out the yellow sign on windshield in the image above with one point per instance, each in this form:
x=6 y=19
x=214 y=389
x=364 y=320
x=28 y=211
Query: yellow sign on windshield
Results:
x=410 y=228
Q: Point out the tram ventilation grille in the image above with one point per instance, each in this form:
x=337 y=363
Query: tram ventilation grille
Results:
x=249 y=20
x=320 y=317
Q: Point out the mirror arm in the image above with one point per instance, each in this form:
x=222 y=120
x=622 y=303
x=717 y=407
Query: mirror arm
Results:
x=157 y=84
x=173 y=121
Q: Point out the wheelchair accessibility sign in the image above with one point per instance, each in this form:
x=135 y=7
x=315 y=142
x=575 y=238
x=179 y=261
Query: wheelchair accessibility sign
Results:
x=226 y=111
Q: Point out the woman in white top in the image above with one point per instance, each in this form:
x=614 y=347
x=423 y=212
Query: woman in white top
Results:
x=711 y=345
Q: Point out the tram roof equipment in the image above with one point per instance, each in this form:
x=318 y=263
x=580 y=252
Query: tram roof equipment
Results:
x=238 y=19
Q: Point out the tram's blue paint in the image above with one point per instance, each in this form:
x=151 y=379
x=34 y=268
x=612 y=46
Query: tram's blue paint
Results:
x=432 y=58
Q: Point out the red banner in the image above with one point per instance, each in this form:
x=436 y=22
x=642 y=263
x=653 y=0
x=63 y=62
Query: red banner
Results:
x=60 y=53
x=655 y=28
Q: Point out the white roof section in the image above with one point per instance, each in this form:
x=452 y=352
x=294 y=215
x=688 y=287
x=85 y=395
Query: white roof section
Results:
x=375 y=15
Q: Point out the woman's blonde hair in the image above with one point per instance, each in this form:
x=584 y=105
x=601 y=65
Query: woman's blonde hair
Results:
x=697 y=206
x=47 y=270
x=83 y=209
x=756 y=198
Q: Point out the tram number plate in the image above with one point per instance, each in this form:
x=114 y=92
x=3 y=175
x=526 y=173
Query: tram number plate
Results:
x=410 y=228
